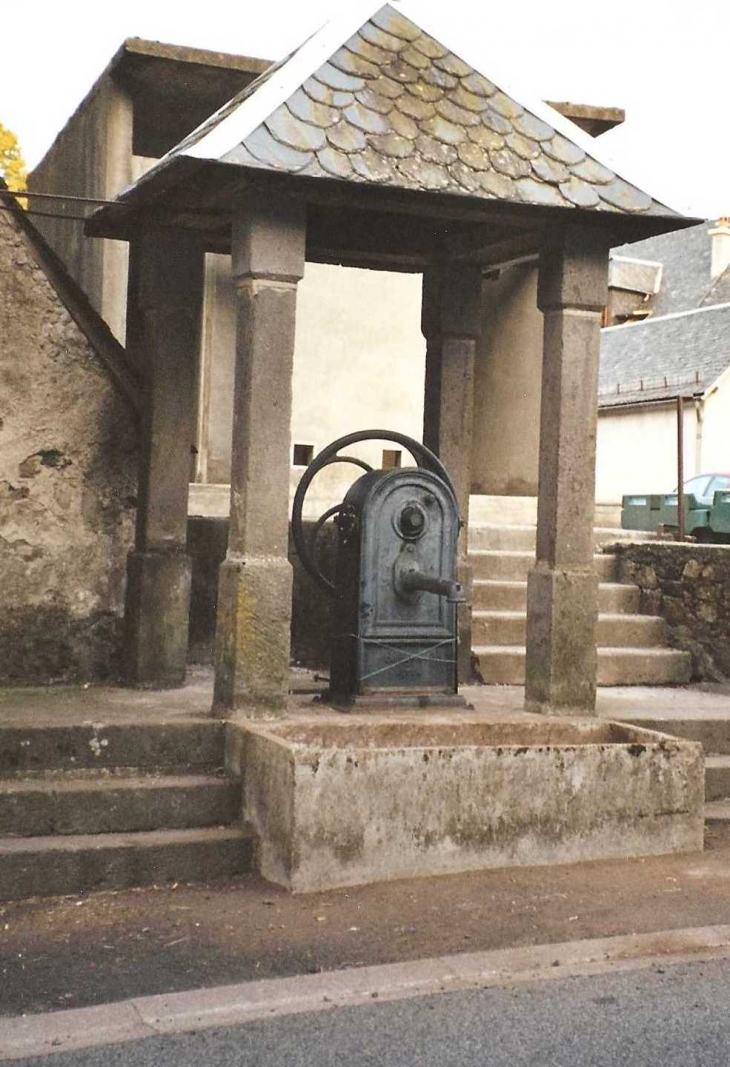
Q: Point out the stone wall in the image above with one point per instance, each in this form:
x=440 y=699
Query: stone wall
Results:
x=689 y=585
x=68 y=444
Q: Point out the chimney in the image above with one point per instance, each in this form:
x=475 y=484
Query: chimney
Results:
x=720 y=248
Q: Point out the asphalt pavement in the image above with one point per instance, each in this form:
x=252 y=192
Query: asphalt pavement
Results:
x=673 y=1015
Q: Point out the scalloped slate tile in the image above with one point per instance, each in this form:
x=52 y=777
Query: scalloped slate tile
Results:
x=563 y=150
x=624 y=196
x=533 y=192
x=498 y=185
x=425 y=175
x=387 y=87
x=530 y=125
x=429 y=47
x=439 y=78
x=392 y=145
x=346 y=137
x=372 y=166
x=374 y=101
x=365 y=119
x=467 y=178
x=506 y=162
x=477 y=83
x=335 y=163
x=322 y=94
x=367 y=50
x=381 y=38
x=451 y=64
x=415 y=58
x=579 y=192
x=550 y=170
x=591 y=171
x=267 y=149
x=400 y=71
x=309 y=111
x=485 y=137
x=291 y=131
x=497 y=123
x=523 y=146
x=423 y=91
x=337 y=79
x=504 y=105
x=403 y=125
x=459 y=115
x=443 y=130
x=394 y=23
x=435 y=151
x=474 y=156
x=415 y=108
x=357 y=67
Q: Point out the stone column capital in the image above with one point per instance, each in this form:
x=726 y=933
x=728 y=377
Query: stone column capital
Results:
x=268 y=238
x=573 y=270
x=452 y=300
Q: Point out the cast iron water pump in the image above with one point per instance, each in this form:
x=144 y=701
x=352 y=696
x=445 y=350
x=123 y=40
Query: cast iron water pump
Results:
x=394 y=632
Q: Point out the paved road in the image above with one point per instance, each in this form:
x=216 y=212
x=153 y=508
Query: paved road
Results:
x=670 y=1016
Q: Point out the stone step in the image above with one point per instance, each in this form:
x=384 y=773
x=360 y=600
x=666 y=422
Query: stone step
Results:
x=521 y=538
x=102 y=803
x=193 y=745
x=717 y=778
x=515 y=566
x=505 y=665
x=619 y=630
x=711 y=730
x=51 y=866
x=717 y=811
x=522 y=510
x=505 y=595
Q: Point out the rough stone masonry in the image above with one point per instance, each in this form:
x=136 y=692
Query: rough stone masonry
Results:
x=689 y=585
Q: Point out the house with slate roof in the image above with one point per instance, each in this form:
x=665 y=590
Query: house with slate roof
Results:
x=680 y=347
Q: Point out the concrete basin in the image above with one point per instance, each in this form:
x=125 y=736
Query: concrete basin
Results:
x=347 y=801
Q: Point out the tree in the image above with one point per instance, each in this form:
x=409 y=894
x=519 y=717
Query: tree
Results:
x=12 y=164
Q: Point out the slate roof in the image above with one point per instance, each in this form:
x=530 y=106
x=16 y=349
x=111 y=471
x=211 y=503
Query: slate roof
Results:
x=719 y=292
x=389 y=105
x=658 y=359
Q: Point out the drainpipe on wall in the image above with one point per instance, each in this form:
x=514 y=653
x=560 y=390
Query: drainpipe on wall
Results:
x=699 y=415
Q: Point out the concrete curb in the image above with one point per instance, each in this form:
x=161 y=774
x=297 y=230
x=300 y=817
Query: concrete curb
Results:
x=143 y=1017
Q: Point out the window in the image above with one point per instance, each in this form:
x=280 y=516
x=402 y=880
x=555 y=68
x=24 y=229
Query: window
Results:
x=391 y=458
x=302 y=455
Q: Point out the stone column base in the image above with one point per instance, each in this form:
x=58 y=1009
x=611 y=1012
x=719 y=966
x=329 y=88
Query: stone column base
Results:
x=560 y=670
x=156 y=618
x=253 y=635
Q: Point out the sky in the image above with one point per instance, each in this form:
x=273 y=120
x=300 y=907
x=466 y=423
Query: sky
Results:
x=665 y=62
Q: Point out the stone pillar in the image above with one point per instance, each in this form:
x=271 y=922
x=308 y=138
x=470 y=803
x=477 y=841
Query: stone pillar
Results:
x=562 y=590
x=451 y=323
x=255 y=584
x=164 y=310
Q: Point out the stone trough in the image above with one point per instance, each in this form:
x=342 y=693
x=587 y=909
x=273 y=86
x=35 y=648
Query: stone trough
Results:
x=338 y=802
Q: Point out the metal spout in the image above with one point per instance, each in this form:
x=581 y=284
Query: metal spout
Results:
x=415 y=581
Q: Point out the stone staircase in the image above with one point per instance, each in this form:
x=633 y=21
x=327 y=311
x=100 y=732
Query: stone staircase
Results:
x=632 y=648
x=88 y=807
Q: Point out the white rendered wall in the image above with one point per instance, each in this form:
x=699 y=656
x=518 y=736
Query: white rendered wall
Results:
x=637 y=451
